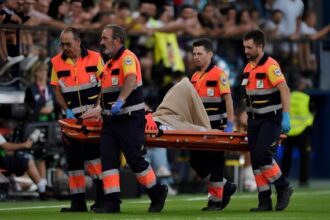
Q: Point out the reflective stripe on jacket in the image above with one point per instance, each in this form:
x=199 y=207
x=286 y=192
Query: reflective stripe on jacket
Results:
x=207 y=86
x=262 y=97
x=113 y=79
x=79 y=82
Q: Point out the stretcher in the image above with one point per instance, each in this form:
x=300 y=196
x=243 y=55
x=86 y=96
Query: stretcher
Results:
x=214 y=140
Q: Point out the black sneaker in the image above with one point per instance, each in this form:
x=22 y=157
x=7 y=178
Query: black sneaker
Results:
x=158 y=205
x=75 y=208
x=212 y=206
x=106 y=209
x=228 y=190
x=95 y=205
x=265 y=204
x=47 y=195
x=283 y=198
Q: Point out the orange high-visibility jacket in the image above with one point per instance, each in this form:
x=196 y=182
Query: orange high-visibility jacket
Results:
x=124 y=63
x=79 y=82
x=260 y=81
x=210 y=86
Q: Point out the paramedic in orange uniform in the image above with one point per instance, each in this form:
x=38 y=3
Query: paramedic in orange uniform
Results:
x=268 y=101
x=123 y=126
x=212 y=85
x=75 y=76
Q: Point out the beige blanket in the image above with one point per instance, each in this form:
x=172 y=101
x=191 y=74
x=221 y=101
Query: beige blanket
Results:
x=182 y=109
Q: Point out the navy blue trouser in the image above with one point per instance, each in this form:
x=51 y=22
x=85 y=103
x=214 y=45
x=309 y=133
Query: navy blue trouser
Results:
x=207 y=163
x=263 y=135
x=77 y=153
x=124 y=134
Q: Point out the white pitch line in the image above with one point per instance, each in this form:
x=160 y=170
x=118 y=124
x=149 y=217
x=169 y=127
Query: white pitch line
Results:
x=199 y=198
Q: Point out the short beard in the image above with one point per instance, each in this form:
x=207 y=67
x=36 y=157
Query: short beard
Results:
x=253 y=58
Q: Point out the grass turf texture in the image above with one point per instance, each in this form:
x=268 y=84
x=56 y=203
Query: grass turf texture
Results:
x=312 y=203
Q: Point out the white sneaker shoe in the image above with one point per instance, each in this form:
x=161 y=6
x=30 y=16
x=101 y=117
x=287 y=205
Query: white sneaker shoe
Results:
x=11 y=61
x=28 y=62
x=171 y=191
x=163 y=172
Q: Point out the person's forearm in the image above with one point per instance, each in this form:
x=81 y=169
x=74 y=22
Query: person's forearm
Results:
x=229 y=107
x=171 y=27
x=285 y=96
x=321 y=33
x=59 y=98
x=129 y=86
x=8 y=146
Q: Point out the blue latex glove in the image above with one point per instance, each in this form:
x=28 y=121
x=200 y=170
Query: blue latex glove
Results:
x=229 y=127
x=69 y=113
x=285 y=122
x=115 y=108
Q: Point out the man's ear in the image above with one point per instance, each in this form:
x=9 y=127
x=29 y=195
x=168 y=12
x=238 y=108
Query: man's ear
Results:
x=210 y=54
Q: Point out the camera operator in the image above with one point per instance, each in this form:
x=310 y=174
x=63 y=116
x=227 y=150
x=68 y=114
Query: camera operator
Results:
x=18 y=164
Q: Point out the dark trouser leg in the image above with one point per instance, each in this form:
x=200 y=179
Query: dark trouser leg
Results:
x=287 y=155
x=130 y=134
x=264 y=195
x=267 y=144
x=110 y=159
x=94 y=168
x=75 y=159
x=200 y=163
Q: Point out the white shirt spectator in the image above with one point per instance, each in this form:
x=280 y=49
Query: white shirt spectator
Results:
x=307 y=30
x=292 y=9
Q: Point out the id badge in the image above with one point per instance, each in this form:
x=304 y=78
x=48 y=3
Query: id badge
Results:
x=92 y=78
x=245 y=82
x=260 y=84
x=210 y=92
x=114 y=81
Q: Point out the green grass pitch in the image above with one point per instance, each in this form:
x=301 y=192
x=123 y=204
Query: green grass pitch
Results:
x=312 y=203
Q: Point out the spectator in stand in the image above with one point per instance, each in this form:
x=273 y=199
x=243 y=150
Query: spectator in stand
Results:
x=292 y=13
x=99 y=16
x=8 y=38
x=123 y=14
x=76 y=14
x=230 y=24
x=255 y=16
x=40 y=97
x=186 y=24
x=307 y=58
x=271 y=28
x=290 y=24
x=308 y=26
x=42 y=6
x=245 y=22
x=18 y=164
x=211 y=20
x=37 y=18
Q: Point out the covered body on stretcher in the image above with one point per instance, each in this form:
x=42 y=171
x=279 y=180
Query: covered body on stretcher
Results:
x=184 y=124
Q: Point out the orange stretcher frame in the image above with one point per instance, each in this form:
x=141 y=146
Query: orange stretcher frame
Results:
x=90 y=131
